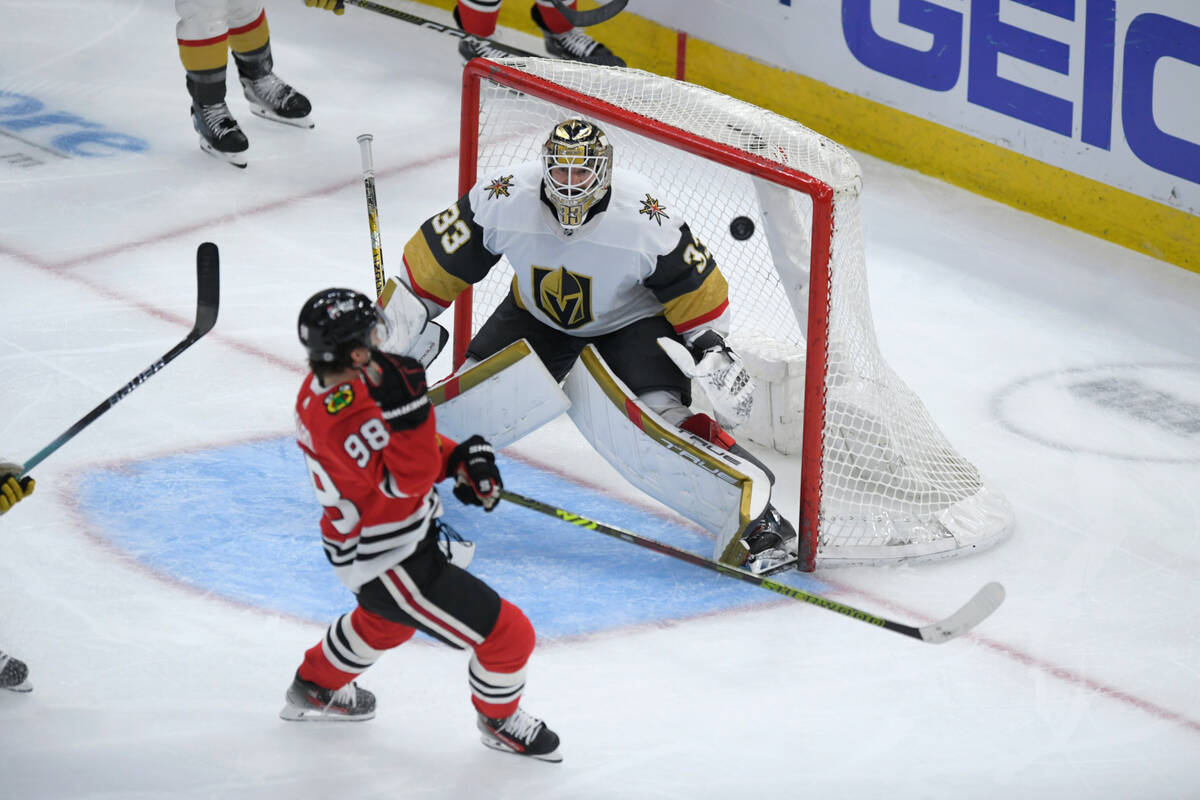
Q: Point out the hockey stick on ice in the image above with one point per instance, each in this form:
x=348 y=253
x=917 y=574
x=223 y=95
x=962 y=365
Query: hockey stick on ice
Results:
x=585 y=19
x=977 y=609
x=421 y=22
x=368 y=170
x=208 y=292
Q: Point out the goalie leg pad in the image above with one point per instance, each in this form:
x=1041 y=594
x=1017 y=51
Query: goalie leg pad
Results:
x=703 y=482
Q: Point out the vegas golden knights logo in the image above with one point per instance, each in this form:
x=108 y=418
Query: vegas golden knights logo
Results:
x=563 y=296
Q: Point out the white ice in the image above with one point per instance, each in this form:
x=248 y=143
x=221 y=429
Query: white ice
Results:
x=1086 y=682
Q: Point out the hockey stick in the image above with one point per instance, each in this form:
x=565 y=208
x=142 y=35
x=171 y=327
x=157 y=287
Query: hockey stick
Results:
x=421 y=22
x=977 y=609
x=585 y=19
x=208 y=291
x=368 y=170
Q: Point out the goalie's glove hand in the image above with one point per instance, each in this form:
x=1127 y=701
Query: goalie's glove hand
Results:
x=329 y=5
x=397 y=384
x=13 y=489
x=476 y=478
x=720 y=373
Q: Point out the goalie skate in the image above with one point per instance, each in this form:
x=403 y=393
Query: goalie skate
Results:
x=771 y=544
x=308 y=702
x=14 y=675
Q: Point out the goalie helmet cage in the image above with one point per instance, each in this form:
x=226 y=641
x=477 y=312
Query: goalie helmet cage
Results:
x=879 y=481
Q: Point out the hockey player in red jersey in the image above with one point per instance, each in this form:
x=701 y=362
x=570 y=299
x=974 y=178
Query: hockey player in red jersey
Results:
x=368 y=434
x=562 y=39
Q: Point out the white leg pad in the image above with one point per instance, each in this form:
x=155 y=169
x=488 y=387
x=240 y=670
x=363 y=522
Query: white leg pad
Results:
x=501 y=398
x=704 y=483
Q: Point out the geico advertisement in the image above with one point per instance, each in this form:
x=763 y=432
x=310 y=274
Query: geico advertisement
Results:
x=1108 y=89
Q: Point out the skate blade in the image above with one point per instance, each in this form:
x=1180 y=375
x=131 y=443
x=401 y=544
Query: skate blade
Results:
x=20 y=688
x=553 y=757
x=293 y=714
x=238 y=160
x=296 y=122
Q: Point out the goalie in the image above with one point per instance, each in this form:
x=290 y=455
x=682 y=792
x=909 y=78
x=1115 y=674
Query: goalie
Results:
x=599 y=259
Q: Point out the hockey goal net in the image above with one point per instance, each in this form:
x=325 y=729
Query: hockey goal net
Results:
x=880 y=483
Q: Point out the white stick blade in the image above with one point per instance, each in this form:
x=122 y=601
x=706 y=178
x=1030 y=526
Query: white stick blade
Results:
x=976 y=610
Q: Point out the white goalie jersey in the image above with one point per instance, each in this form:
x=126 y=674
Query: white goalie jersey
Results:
x=631 y=260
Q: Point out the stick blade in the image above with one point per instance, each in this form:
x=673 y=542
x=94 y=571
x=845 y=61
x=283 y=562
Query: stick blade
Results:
x=208 y=288
x=976 y=610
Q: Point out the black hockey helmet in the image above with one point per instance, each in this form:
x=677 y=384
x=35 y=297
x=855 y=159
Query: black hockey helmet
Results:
x=335 y=321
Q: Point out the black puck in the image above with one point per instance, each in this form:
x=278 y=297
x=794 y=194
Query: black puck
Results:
x=741 y=228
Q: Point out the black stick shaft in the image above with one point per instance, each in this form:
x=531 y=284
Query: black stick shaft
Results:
x=421 y=22
x=715 y=566
x=207 y=300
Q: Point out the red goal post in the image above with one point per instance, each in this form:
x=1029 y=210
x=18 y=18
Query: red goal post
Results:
x=796 y=284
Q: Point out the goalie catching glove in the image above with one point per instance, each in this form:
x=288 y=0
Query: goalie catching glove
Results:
x=719 y=372
x=397 y=384
x=476 y=478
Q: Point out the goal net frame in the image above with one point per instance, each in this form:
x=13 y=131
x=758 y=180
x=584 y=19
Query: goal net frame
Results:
x=824 y=205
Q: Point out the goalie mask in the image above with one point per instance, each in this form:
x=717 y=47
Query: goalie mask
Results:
x=576 y=170
x=335 y=321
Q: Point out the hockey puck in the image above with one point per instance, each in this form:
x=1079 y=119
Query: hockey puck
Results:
x=741 y=228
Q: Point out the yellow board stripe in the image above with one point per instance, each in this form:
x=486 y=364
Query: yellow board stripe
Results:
x=1033 y=186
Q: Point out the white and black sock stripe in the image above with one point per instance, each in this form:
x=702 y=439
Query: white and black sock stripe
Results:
x=345 y=649
x=497 y=688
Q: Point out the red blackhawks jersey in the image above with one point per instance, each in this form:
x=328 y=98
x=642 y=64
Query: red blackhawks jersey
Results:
x=376 y=485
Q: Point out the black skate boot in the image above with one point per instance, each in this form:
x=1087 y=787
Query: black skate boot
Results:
x=271 y=98
x=522 y=733
x=220 y=135
x=308 y=702
x=771 y=543
x=14 y=675
x=575 y=45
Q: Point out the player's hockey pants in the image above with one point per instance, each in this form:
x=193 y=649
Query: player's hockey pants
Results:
x=428 y=593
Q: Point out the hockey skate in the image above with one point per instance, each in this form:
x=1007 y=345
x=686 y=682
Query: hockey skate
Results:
x=220 y=135
x=14 y=675
x=575 y=45
x=771 y=543
x=522 y=734
x=307 y=702
x=271 y=98
x=469 y=47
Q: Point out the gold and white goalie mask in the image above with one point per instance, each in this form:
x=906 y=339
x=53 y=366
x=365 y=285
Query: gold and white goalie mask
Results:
x=577 y=169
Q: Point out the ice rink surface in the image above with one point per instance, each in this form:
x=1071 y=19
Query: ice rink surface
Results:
x=166 y=577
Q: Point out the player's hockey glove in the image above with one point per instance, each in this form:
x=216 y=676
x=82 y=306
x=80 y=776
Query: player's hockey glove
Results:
x=397 y=384
x=329 y=5
x=476 y=478
x=719 y=372
x=12 y=488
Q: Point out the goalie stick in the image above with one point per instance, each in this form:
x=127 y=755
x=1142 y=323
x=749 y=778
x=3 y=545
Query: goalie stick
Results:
x=368 y=171
x=421 y=22
x=208 y=291
x=977 y=609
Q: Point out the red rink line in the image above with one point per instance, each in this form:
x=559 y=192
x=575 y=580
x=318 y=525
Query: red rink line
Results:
x=63 y=270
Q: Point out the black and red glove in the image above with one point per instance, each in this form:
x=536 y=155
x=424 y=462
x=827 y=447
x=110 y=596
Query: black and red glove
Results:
x=476 y=478
x=397 y=384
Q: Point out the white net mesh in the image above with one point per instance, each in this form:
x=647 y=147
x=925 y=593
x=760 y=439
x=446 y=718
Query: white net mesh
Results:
x=892 y=486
